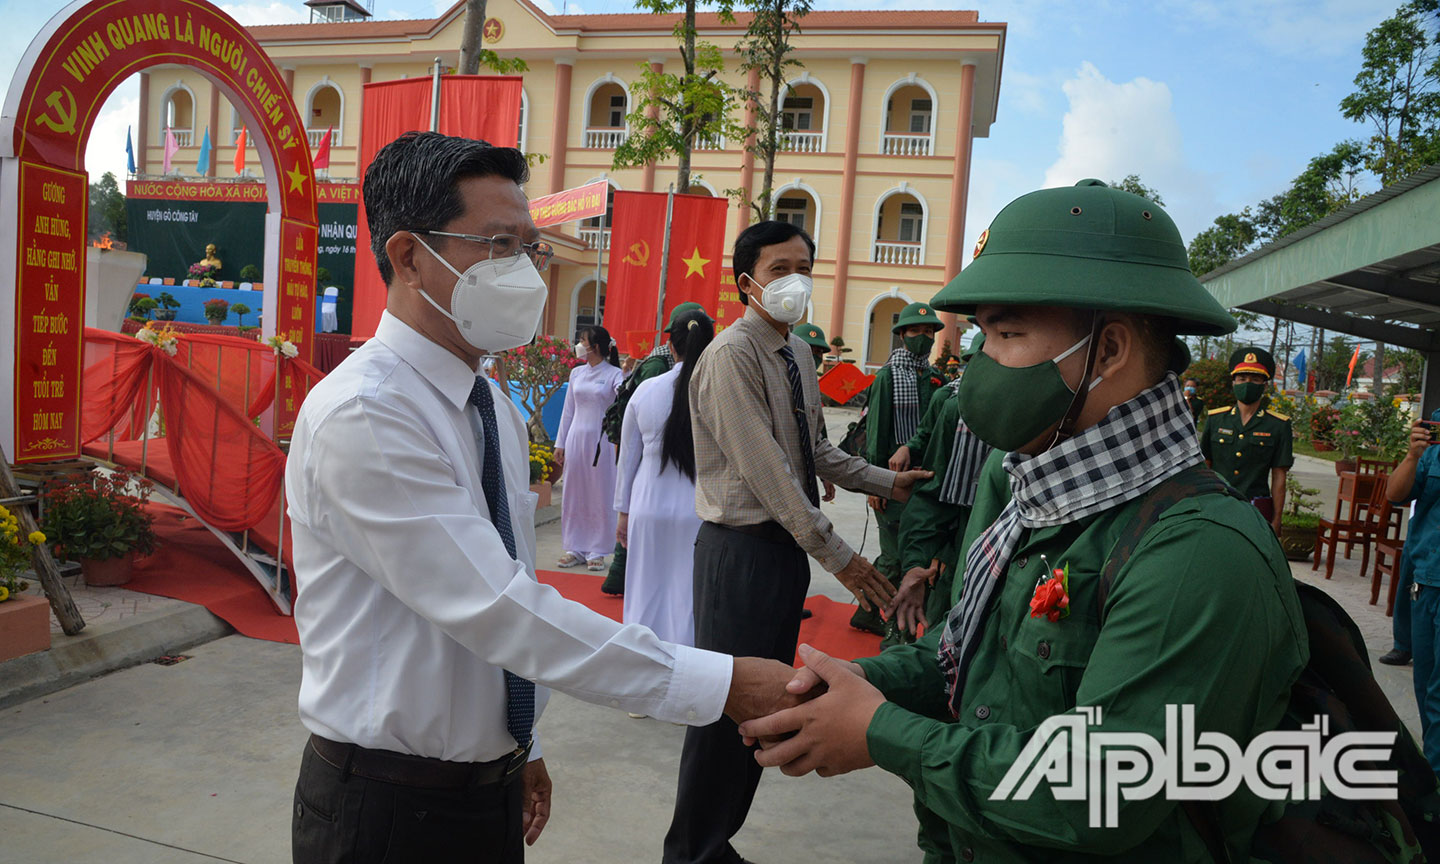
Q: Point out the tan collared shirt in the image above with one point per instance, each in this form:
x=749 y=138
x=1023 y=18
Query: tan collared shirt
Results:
x=748 y=463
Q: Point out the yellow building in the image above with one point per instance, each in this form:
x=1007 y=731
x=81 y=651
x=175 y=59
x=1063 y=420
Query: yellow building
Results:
x=880 y=118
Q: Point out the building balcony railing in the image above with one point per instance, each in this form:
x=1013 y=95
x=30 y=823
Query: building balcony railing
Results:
x=802 y=142
x=906 y=144
x=896 y=252
x=596 y=237
x=605 y=138
x=235 y=138
x=316 y=134
x=709 y=142
x=183 y=137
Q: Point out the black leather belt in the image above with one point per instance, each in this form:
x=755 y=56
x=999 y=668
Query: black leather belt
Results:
x=419 y=772
x=772 y=531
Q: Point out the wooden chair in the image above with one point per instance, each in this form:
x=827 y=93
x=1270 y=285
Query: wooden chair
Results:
x=1373 y=466
x=1387 y=561
x=1365 y=497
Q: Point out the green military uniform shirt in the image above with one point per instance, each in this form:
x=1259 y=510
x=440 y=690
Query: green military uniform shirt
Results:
x=1204 y=613
x=880 y=443
x=1244 y=454
x=930 y=529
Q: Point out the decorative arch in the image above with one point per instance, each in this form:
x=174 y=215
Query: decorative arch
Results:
x=797 y=183
x=709 y=187
x=893 y=293
x=908 y=81
x=903 y=189
x=805 y=78
x=339 y=134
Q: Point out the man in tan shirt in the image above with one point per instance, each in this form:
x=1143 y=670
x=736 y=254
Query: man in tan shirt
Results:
x=756 y=421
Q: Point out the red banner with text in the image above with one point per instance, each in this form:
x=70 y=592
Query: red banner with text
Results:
x=570 y=205
x=49 y=312
x=296 y=321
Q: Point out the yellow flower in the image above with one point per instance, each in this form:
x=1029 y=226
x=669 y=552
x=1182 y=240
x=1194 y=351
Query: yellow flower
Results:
x=4 y=593
x=36 y=537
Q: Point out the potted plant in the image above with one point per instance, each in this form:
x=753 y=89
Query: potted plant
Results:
x=99 y=520
x=542 y=471
x=240 y=310
x=1300 y=519
x=250 y=273
x=204 y=273
x=24 y=618
x=168 y=306
x=1322 y=427
x=217 y=310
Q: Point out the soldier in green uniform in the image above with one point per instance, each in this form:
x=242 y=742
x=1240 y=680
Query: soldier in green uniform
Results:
x=1080 y=292
x=1248 y=443
x=897 y=399
x=815 y=338
x=658 y=362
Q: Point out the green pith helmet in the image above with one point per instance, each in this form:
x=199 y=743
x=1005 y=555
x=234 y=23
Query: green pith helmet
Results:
x=1091 y=247
x=679 y=312
x=1252 y=359
x=976 y=340
x=813 y=335
x=917 y=313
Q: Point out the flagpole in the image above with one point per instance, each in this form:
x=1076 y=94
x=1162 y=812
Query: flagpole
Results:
x=435 y=99
x=600 y=245
x=664 y=259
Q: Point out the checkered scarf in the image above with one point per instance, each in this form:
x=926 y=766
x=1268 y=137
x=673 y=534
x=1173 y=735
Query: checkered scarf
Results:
x=967 y=456
x=663 y=350
x=1137 y=446
x=904 y=370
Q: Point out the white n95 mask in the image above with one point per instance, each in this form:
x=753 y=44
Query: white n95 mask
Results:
x=496 y=304
x=786 y=297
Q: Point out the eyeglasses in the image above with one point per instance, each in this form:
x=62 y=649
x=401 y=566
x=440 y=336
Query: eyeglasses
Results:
x=503 y=246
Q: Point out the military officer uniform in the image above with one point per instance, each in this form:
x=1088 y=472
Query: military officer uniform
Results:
x=1244 y=453
x=1202 y=612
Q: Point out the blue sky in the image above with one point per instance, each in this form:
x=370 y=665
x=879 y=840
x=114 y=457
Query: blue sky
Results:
x=1217 y=104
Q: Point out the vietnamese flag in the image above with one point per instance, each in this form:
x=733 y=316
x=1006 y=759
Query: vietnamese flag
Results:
x=322 y=152
x=639 y=343
x=843 y=382
x=637 y=242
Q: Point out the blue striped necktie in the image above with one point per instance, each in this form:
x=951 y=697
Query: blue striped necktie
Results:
x=807 y=447
x=519 y=693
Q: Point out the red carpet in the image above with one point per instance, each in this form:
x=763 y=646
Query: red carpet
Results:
x=190 y=564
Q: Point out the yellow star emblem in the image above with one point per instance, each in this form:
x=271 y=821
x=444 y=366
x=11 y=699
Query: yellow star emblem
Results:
x=297 y=178
x=695 y=265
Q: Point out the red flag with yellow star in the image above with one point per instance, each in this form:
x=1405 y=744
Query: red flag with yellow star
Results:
x=637 y=241
x=844 y=381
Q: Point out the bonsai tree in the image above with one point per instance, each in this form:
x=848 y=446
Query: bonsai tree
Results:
x=240 y=310
x=144 y=306
x=1301 y=517
x=217 y=310
x=168 y=305
x=250 y=273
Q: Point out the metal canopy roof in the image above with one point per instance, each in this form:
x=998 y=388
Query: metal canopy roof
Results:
x=1371 y=269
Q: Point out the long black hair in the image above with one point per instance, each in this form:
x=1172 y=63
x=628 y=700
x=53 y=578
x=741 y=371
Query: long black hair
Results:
x=599 y=339
x=688 y=339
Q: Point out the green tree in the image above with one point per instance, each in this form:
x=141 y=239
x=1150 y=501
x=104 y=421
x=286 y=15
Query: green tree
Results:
x=107 y=209
x=1397 y=91
x=1133 y=184
x=240 y=310
x=1329 y=182
x=686 y=107
x=1228 y=238
x=1333 y=366
x=1412 y=368
x=766 y=49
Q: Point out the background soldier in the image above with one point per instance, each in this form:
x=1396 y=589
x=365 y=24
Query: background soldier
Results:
x=1247 y=443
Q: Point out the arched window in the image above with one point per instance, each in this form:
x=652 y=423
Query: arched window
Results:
x=178 y=109
x=799 y=204
x=325 y=109
x=909 y=119
x=587 y=305
x=595 y=231
x=883 y=312
x=805 y=116
x=606 y=104
x=901 y=218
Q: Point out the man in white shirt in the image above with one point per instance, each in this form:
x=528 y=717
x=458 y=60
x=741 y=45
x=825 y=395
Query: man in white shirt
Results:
x=423 y=630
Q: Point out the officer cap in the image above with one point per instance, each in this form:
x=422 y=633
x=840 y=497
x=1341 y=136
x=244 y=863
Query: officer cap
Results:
x=1252 y=359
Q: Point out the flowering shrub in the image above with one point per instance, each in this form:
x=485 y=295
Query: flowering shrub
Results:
x=14 y=553
x=98 y=515
x=536 y=372
x=1322 y=423
x=203 y=271
x=542 y=463
x=217 y=310
x=1374 y=426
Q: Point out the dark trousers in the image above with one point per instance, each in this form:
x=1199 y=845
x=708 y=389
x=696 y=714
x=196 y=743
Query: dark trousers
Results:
x=345 y=819
x=749 y=592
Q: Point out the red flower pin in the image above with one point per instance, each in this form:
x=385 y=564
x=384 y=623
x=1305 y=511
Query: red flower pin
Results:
x=1052 y=593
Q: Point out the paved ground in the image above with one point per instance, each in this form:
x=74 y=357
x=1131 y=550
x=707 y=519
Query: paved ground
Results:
x=195 y=762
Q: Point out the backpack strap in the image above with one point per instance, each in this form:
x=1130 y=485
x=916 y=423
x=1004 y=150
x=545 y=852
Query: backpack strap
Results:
x=1194 y=481
x=1189 y=483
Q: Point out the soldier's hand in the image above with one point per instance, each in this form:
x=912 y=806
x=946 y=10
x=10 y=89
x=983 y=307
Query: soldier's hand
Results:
x=908 y=607
x=905 y=483
x=866 y=583
x=900 y=459
x=876 y=503
x=829 y=491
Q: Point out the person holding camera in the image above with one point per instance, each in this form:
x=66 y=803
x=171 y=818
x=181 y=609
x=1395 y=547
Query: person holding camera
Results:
x=1417 y=478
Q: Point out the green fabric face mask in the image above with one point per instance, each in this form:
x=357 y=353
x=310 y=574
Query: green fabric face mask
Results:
x=1008 y=407
x=919 y=344
x=1249 y=392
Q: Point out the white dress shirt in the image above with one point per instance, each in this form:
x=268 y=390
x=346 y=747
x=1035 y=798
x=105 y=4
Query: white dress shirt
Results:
x=408 y=605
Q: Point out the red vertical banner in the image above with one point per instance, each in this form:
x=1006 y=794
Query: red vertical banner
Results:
x=49 y=312
x=697 y=252
x=296 y=321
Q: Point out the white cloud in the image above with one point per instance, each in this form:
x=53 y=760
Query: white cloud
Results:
x=1112 y=130
x=105 y=151
x=252 y=14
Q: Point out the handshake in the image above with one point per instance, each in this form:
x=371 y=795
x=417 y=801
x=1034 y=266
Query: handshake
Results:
x=810 y=719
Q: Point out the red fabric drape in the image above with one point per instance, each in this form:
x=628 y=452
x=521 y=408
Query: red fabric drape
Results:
x=113 y=386
x=293 y=366
x=697 y=247
x=474 y=106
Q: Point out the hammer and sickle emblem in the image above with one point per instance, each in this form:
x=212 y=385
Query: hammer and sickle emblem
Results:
x=639 y=254
x=65 y=123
